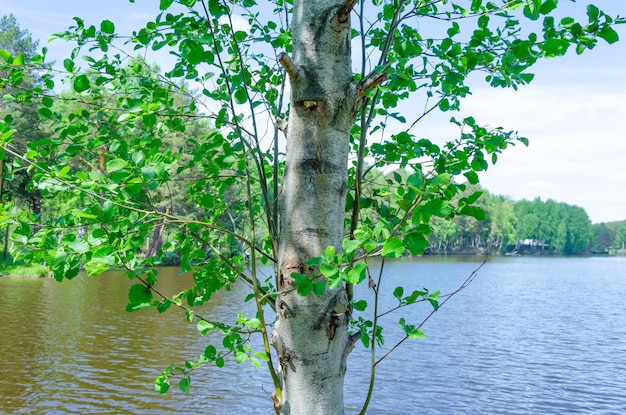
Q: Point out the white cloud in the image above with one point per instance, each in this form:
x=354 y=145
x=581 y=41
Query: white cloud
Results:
x=577 y=150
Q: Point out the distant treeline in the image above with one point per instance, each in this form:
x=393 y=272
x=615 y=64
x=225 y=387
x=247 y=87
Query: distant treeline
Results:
x=527 y=227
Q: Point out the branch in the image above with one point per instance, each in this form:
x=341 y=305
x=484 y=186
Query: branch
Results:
x=371 y=81
x=281 y=125
x=289 y=66
x=449 y=296
x=343 y=14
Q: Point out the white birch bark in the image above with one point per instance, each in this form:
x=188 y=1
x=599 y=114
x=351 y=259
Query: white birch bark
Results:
x=311 y=333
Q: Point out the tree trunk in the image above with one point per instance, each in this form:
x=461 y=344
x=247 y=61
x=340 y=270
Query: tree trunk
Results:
x=311 y=333
x=156 y=242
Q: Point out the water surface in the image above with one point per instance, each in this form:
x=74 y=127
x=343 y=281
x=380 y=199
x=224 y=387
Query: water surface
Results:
x=528 y=336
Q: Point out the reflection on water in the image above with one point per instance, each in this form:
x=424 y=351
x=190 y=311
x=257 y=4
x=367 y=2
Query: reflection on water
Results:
x=71 y=348
x=529 y=336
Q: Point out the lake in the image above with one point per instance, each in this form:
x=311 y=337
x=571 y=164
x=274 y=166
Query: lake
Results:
x=528 y=336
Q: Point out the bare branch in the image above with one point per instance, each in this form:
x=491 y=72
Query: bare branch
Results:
x=281 y=125
x=343 y=14
x=289 y=66
x=463 y=286
x=372 y=80
x=369 y=82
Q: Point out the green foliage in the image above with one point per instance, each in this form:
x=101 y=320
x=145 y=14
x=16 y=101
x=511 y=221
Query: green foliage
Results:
x=139 y=164
x=564 y=229
x=506 y=226
x=620 y=238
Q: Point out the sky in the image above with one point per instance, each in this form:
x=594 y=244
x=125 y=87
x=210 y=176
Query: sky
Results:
x=573 y=113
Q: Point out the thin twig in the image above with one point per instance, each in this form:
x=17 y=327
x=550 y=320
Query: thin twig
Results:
x=467 y=282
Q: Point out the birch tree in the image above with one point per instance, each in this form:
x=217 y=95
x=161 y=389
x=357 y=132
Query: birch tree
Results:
x=307 y=97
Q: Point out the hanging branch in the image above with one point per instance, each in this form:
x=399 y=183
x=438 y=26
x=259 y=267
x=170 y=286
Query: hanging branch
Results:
x=465 y=284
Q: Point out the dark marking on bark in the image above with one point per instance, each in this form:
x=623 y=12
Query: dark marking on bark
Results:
x=307 y=88
x=343 y=188
x=333 y=323
x=317 y=165
x=314 y=164
x=285 y=279
x=314 y=107
x=284 y=361
x=316 y=233
x=276 y=401
x=283 y=310
x=321 y=23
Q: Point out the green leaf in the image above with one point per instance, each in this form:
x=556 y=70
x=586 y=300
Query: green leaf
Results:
x=215 y=8
x=360 y=305
x=472 y=198
x=432 y=299
x=240 y=95
x=411 y=331
x=329 y=270
x=351 y=245
x=473 y=211
x=304 y=285
x=47 y=102
x=393 y=248
x=416 y=243
x=68 y=64
x=107 y=27
x=262 y=356
x=44 y=112
x=18 y=60
x=329 y=253
x=183 y=384
x=444 y=104
x=165 y=4
x=149 y=119
x=609 y=34
x=471 y=177
x=139 y=294
x=161 y=385
x=358 y=273
x=365 y=339
x=115 y=165
x=436 y=207
x=5 y=55
x=240 y=356
x=555 y=47
x=81 y=83
x=8 y=98
x=80 y=246
x=164 y=305
x=319 y=287
x=192 y=51
x=204 y=327
x=593 y=13
x=210 y=352
x=416 y=334
x=548 y=6
x=532 y=9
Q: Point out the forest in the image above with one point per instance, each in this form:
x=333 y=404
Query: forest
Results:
x=528 y=227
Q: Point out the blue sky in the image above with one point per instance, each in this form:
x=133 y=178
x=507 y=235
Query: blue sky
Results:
x=573 y=112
